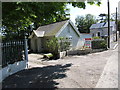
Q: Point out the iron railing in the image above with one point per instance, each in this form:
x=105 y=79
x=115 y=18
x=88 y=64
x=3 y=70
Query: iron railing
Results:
x=12 y=51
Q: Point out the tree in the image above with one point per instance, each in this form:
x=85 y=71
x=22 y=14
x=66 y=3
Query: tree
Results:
x=19 y=16
x=113 y=16
x=83 y=23
x=103 y=18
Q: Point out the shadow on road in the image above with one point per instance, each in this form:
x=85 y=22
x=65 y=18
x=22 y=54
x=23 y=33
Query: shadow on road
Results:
x=39 y=77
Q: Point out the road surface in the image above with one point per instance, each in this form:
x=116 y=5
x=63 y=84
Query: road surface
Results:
x=83 y=71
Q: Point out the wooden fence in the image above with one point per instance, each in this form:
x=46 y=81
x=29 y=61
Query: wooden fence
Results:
x=12 y=51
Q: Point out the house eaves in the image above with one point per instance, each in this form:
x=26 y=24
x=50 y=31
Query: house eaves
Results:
x=64 y=26
x=75 y=28
x=51 y=29
x=39 y=33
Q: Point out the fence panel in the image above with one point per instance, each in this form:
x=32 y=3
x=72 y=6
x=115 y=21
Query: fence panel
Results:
x=12 y=51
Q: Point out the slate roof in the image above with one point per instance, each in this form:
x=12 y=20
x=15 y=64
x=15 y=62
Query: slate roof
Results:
x=111 y=24
x=101 y=25
x=97 y=25
x=50 y=30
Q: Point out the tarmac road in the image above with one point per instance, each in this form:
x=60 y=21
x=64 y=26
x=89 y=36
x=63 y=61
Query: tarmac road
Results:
x=85 y=71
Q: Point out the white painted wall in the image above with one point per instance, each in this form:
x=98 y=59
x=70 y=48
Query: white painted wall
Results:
x=95 y=32
x=39 y=44
x=77 y=41
x=104 y=32
x=69 y=31
x=11 y=69
x=33 y=46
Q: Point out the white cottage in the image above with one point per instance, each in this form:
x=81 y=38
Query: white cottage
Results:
x=101 y=30
x=58 y=29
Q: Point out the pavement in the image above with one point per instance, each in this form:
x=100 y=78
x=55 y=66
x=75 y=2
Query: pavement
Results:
x=109 y=77
x=113 y=45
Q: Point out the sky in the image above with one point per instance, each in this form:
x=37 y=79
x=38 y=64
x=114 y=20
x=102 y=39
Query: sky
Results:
x=93 y=9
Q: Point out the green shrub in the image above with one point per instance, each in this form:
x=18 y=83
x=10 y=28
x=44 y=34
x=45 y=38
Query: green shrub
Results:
x=99 y=44
x=64 y=44
x=96 y=38
x=55 y=45
x=103 y=44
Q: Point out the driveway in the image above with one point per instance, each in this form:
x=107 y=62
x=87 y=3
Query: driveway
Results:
x=71 y=72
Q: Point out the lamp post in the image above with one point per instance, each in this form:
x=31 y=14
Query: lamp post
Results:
x=108 y=24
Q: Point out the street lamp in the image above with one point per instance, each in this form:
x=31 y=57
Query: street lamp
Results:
x=108 y=24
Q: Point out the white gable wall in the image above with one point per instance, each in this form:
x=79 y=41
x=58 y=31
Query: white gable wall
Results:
x=69 y=31
x=95 y=32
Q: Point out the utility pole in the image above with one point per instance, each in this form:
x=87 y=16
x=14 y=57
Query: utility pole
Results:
x=108 y=24
x=116 y=24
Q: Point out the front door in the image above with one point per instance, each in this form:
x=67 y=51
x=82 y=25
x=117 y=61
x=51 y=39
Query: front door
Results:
x=40 y=48
x=98 y=34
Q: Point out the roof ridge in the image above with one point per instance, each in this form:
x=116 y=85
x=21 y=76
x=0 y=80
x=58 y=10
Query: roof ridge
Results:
x=51 y=24
x=53 y=28
x=54 y=22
